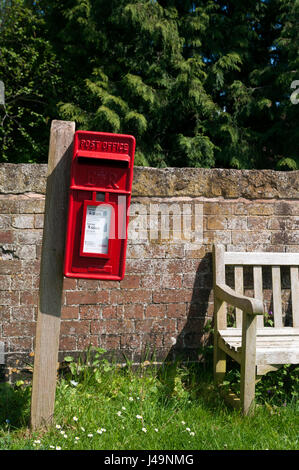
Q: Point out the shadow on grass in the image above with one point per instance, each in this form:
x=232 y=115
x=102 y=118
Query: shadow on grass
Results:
x=14 y=406
x=193 y=381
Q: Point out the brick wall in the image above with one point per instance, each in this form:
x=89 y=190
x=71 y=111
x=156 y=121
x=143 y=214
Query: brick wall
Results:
x=165 y=299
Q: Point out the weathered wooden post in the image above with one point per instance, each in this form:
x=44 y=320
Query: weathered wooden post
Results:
x=51 y=274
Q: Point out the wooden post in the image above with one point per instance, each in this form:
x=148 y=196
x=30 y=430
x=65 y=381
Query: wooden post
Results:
x=51 y=274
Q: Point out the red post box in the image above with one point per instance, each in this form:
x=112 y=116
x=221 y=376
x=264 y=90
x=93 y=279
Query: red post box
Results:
x=99 y=201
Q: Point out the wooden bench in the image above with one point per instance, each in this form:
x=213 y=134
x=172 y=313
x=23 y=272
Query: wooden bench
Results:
x=257 y=348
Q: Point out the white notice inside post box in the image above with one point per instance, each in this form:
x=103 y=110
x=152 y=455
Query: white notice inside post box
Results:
x=97 y=229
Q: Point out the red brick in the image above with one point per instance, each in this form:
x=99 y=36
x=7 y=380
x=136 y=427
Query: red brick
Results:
x=119 y=326
x=109 y=284
x=175 y=251
x=130 y=296
x=84 y=342
x=176 y=310
x=69 y=313
x=6 y=236
x=20 y=328
x=89 y=312
x=83 y=298
x=4 y=313
x=153 y=340
x=22 y=313
x=32 y=266
x=88 y=284
x=21 y=281
x=110 y=311
x=5 y=281
x=29 y=298
x=172 y=295
x=69 y=284
x=10 y=266
x=155 y=251
x=67 y=343
x=155 y=310
x=195 y=280
x=130 y=341
x=173 y=266
x=73 y=327
x=110 y=342
x=98 y=327
x=130 y=282
x=158 y=281
x=133 y=311
x=20 y=344
x=9 y=298
x=171 y=280
x=138 y=266
x=151 y=281
x=155 y=325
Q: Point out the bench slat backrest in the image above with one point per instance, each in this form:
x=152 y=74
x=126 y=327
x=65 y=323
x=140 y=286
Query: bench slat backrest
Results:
x=258 y=290
x=261 y=259
x=257 y=260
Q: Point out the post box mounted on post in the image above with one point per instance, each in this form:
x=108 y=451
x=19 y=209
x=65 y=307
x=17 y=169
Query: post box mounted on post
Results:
x=99 y=201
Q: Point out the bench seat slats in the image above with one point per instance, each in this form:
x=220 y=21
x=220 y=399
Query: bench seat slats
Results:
x=266 y=331
x=271 y=347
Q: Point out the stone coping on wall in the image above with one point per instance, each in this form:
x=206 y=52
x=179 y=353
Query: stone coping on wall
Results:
x=172 y=182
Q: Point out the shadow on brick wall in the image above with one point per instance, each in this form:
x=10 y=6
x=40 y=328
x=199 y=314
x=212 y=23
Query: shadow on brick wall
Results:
x=194 y=340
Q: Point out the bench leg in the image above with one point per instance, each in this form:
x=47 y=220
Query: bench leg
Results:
x=219 y=354
x=248 y=363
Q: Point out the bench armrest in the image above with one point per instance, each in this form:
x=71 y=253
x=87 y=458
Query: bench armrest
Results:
x=247 y=304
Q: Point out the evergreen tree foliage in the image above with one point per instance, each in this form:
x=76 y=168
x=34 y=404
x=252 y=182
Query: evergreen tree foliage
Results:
x=202 y=83
x=31 y=76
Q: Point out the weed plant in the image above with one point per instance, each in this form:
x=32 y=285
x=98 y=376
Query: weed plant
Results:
x=100 y=405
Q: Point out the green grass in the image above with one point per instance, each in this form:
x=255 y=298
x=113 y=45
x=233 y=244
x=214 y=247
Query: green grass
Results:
x=175 y=408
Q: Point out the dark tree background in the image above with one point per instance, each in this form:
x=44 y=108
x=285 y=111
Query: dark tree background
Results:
x=199 y=83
